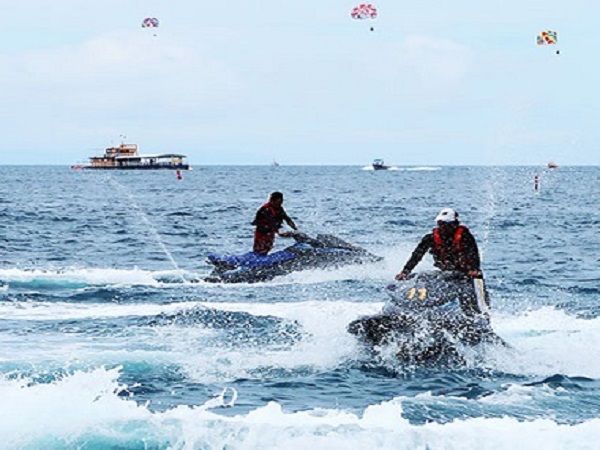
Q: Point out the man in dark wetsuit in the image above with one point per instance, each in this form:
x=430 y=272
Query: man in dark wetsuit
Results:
x=453 y=248
x=269 y=219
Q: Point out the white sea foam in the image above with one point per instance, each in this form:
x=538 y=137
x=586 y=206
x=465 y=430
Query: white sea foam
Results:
x=85 y=410
x=549 y=341
x=75 y=311
x=545 y=341
x=381 y=271
x=36 y=279
x=79 y=277
x=407 y=169
x=518 y=395
x=49 y=349
x=325 y=342
x=421 y=169
x=536 y=349
x=390 y=168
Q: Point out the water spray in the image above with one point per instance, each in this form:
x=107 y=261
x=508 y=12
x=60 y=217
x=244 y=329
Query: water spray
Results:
x=144 y=217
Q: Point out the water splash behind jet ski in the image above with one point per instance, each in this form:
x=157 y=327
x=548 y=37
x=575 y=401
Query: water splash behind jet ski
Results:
x=424 y=318
x=322 y=251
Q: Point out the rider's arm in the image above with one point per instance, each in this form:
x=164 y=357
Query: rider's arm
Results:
x=472 y=251
x=288 y=220
x=418 y=254
x=291 y=223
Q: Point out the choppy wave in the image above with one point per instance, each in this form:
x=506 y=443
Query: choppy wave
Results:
x=76 y=278
x=111 y=341
x=92 y=410
x=545 y=341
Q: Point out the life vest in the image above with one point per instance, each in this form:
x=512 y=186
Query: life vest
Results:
x=264 y=223
x=454 y=257
x=271 y=209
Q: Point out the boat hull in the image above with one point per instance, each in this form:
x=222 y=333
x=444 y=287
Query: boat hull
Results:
x=143 y=167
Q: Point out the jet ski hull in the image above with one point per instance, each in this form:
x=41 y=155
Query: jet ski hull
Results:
x=324 y=251
x=425 y=319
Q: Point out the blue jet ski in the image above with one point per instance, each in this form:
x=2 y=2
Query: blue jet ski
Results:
x=428 y=317
x=322 y=251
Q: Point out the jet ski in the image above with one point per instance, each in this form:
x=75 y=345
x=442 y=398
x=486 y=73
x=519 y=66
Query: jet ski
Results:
x=429 y=317
x=322 y=251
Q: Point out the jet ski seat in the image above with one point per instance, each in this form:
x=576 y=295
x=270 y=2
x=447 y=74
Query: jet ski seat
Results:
x=250 y=259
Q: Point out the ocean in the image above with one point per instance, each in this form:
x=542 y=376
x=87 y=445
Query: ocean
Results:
x=107 y=343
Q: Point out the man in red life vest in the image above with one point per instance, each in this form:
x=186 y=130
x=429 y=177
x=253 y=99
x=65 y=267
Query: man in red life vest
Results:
x=269 y=219
x=453 y=248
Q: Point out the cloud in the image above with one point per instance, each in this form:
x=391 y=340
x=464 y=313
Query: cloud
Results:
x=295 y=76
x=427 y=69
x=120 y=72
x=436 y=61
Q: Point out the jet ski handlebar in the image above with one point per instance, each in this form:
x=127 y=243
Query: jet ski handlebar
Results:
x=303 y=238
x=454 y=275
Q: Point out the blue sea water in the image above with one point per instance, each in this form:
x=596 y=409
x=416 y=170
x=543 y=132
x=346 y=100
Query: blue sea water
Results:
x=106 y=342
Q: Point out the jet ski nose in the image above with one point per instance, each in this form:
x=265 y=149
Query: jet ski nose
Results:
x=391 y=287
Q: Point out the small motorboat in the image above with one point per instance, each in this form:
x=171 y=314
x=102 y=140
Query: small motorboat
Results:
x=428 y=317
x=379 y=164
x=322 y=251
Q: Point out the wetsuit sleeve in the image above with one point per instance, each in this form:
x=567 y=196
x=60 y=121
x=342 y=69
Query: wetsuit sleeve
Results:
x=472 y=251
x=418 y=253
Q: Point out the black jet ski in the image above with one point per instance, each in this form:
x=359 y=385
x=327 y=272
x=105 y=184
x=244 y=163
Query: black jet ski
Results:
x=322 y=251
x=428 y=318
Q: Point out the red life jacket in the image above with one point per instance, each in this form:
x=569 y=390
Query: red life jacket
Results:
x=264 y=223
x=455 y=259
x=271 y=208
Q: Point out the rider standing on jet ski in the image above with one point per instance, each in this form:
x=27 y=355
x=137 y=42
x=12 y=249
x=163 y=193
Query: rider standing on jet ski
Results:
x=453 y=248
x=269 y=219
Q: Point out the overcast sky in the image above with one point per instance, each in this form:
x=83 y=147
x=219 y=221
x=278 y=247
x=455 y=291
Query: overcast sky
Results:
x=244 y=82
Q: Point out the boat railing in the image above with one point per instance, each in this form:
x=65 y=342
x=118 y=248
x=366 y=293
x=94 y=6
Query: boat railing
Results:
x=154 y=163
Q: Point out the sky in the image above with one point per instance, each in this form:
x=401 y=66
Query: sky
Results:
x=247 y=82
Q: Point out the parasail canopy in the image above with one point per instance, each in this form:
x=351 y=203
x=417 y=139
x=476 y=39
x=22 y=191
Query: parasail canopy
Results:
x=364 y=11
x=547 y=37
x=150 y=22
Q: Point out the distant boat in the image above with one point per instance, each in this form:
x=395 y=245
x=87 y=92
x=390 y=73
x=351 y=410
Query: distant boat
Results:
x=552 y=165
x=126 y=157
x=275 y=163
x=379 y=164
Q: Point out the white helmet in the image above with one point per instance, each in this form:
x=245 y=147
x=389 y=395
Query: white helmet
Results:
x=447 y=215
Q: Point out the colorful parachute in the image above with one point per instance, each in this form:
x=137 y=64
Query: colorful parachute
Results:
x=547 y=37
x=150 y=22
x=364 y=11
